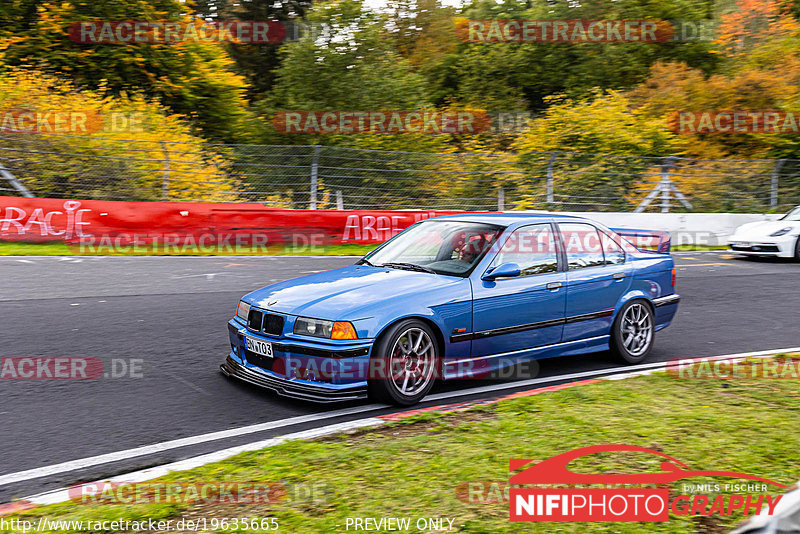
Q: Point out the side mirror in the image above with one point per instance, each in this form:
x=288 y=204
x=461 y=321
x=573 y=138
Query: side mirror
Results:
x=506 y=270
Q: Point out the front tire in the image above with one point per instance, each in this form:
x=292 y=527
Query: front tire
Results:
x=404 y=363
x=797 y=250
x=633 y=332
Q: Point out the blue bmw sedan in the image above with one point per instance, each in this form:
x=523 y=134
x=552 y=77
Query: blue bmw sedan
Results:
x=453 y=297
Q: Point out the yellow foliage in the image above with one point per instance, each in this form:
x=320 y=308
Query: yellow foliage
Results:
x=132 y=130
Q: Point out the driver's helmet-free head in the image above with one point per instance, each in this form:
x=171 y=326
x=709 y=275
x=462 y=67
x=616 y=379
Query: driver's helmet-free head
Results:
x=472 y=248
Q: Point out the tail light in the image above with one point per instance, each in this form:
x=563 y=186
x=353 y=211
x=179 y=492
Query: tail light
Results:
x=673 y=277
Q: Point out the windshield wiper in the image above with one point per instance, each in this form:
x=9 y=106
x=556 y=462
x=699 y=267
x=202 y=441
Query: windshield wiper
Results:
x=409 y=267
x=364 y=261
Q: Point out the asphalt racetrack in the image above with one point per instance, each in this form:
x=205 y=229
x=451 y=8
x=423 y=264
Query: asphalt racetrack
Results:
x=169 y=315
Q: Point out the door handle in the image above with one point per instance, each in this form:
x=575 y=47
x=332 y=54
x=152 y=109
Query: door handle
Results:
x=619 y=276
x=554 y=285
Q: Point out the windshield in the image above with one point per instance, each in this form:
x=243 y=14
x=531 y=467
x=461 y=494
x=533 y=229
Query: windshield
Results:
x=793 y=215
x=443 y=247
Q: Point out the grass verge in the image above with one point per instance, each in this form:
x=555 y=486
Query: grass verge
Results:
x=415 y=468
x=8 y=248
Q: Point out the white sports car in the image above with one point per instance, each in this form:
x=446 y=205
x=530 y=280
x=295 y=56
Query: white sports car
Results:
x=779 y=238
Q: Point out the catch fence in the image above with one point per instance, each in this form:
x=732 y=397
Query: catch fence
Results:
x=334 y=177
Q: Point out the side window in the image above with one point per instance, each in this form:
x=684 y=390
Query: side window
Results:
x=533 y=248
x=582 y=245
x=612 y=250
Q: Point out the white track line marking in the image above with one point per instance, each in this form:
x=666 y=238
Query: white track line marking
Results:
x=62 y=495
x=91 y=461
x=615 y=372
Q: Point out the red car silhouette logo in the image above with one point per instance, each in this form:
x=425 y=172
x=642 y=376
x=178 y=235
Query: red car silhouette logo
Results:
x=554 y=470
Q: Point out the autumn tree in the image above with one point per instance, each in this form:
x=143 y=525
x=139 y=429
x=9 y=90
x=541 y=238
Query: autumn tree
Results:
x=513 y=76
x=193 y=79
x=89 y=160
x=257 y=62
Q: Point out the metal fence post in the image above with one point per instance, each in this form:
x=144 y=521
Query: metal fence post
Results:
x=314 y=174
x=665 y=188
x=774 y=182
x=16 y=184
x=501 y=200
x=666 y=183
x=550 y=164
x=339 y=201
x=165 y=172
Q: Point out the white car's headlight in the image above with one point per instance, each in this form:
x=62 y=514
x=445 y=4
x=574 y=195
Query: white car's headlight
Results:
x=243 y=310
x=782 y=231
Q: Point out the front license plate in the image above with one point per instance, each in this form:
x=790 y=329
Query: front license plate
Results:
x=262 y=348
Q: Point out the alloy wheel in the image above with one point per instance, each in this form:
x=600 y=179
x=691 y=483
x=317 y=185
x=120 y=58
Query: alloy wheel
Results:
x=412 y=362
x=637 y=329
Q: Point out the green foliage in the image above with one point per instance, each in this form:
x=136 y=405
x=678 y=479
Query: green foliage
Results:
x=352 y=64
x=257 y=62
x=512 y=76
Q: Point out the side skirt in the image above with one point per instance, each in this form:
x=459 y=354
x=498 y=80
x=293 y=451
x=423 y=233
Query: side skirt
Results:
x=467 y=367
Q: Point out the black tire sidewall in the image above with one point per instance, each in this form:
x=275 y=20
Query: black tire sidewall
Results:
x=618 y=347
x=381 y=388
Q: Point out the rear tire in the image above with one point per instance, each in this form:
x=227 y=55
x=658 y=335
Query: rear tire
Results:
x=403 y=364
x=633 y=332
x=797 y=250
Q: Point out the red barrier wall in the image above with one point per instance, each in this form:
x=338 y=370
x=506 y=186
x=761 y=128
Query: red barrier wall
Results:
x=42 y=219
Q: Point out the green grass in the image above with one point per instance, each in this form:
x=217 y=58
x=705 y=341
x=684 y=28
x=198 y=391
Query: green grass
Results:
x=33 y=249
x=8 y=248
x=413 y=468
x=61 y=249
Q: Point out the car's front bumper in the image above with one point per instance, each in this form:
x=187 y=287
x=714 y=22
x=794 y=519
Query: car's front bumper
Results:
x=297 y=389
x=313 y=371
x=781 y=247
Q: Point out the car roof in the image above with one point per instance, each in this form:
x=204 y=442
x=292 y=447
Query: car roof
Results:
x=507 y=219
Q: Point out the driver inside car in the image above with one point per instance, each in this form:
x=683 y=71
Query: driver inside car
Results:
x=470 y=250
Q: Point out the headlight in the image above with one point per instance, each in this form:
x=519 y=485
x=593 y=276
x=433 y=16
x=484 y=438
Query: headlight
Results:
x=326 y=329
x=781 y=232
x=243 y=310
